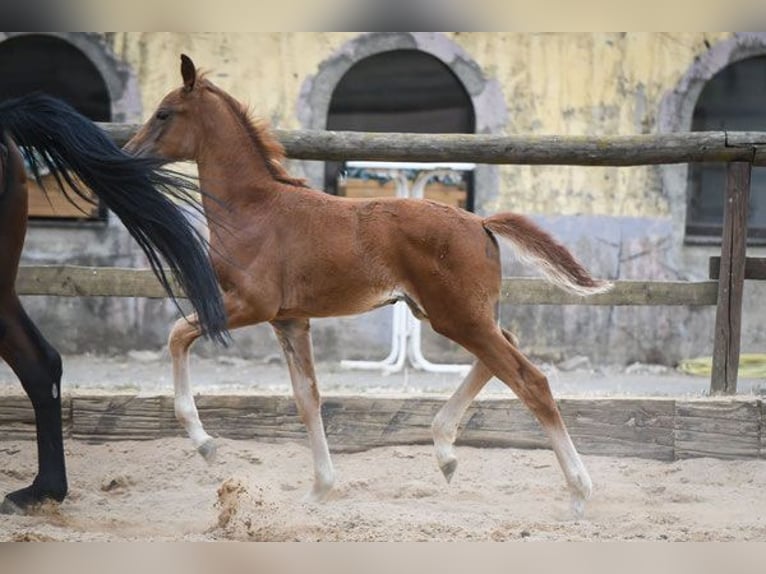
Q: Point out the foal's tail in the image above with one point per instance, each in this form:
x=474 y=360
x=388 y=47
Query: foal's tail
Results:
x=80 y=154
x=555 y=260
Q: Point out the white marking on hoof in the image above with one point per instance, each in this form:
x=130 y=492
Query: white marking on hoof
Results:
x=208 y=450
x=581 y=484
x=578 y=506
x=318 y=494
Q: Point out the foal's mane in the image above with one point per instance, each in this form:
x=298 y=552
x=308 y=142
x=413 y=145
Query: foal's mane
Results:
x=262 y=138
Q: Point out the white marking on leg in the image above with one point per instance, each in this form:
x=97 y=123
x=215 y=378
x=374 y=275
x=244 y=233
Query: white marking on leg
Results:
x=447 y=420
x=295 y=339
x=577 y=477
x=185 y=409
x=310 y=408
x=55 y=391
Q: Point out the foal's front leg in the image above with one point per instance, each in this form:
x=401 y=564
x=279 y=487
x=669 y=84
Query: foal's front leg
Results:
x=183 y=334
x=295 y=338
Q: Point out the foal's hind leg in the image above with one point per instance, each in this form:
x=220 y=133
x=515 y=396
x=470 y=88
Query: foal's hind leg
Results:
x=38 y=366
x=446 y=422
x=295 y=338
x=531 y=386
x=448 y=418
x=508 y=364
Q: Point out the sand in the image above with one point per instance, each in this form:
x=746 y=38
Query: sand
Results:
x=161 y=490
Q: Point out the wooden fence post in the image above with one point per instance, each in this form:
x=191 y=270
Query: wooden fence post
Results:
x=728 y=319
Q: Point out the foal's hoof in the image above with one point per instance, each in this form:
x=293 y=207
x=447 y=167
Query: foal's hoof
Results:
x=448 y=468
x=578 y=506
x=315 y=496
x=208 y=450
x=321 y=491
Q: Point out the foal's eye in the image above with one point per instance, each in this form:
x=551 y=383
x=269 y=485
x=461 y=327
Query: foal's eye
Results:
x=162 y=114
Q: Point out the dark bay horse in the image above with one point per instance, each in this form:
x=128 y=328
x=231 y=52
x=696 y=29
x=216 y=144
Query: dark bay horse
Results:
x=289 y=253
x=80 y=154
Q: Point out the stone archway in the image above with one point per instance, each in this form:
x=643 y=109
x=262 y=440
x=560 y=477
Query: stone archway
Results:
x=677 y=110
x=120 y=80
x=485 y=94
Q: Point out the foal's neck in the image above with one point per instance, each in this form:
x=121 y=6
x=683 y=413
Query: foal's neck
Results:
x=231 y=167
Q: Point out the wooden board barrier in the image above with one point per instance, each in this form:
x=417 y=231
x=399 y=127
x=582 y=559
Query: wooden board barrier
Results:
x=656 y=428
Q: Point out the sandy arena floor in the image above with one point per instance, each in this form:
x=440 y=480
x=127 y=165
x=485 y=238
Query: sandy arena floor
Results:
x=162 y=490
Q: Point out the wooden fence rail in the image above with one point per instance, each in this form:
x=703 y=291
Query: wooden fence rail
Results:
x=612 y=150
x=76 y=281
x=740 y=150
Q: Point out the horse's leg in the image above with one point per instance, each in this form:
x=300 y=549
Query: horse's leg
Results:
x=531 y=386
x=448 y=418
x=183 y=334
x=38 y=366
x=295 y=338
x=498 y=352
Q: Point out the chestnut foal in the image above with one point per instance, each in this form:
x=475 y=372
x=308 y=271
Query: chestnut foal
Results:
x=285 y=253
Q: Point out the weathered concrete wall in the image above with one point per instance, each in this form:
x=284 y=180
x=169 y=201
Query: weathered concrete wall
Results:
x=622 y=222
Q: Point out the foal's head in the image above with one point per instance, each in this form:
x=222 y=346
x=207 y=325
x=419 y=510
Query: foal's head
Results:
x=175 y=130
x=199 y=110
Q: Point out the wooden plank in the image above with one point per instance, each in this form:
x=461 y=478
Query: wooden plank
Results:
x=762 y=406
x=731 y=282
x=522 y=291
x=357 y=423
x=369 y=189
x=351 y=423
x=747 y=139
x=17 y=418
x=77 y=281
x=50 y=202
x=612 y=150
x=266 y=418
x=81 y=281
x=755 y=268
x=721 y=429
x=122 y=417
x=621 y=427
x=663 y=429
x=501 y=423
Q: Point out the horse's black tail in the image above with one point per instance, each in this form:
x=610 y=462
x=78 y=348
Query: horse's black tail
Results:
x=134 y=188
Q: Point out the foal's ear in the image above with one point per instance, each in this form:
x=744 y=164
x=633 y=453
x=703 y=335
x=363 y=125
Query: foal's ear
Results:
x=188 y=72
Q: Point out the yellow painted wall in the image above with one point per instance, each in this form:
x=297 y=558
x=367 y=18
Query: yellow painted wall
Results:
x=553 y=83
